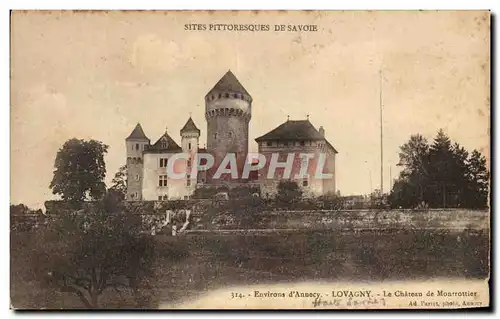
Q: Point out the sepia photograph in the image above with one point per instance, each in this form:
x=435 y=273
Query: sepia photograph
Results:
x=250 y=160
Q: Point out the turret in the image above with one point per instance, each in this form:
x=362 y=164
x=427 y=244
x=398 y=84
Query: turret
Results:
x=228 y=108
x=190 y=135
x=135 y=143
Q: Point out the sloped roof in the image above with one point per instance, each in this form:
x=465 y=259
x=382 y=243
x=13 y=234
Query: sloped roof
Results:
x=228 y=83
x=333 y=148
x=190 y=126
x=137 y=134
x=294 y=131
x=164 y=144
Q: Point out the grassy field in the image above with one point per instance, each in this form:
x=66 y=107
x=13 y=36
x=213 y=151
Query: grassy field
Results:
x=213 y=260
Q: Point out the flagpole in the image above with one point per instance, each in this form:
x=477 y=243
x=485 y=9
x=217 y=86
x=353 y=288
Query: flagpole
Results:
x=381 y=137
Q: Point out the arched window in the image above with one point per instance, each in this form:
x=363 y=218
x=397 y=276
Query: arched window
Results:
x=137 y=146
x=215 y=135
x=230 y=134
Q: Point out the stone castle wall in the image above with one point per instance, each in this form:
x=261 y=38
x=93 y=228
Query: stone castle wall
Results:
x=207 y=215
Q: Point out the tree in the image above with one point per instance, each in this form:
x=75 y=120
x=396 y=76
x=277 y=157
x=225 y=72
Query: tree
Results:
x=23 y=218
x=414 y=155
x=97 y=248
x=120 y=182
x=19 y=209
x=478 y=176
x=458 y=180
x=442 y=159
x=443 y=174
x=410 y=189
x=80 y=170
x=288 y=192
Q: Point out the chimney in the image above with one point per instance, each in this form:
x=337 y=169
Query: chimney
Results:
x=322 y=131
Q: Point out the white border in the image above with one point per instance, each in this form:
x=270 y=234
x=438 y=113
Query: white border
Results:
x=191 y=5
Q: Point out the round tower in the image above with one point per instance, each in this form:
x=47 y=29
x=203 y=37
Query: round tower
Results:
x=228 y=109
x=135 y=143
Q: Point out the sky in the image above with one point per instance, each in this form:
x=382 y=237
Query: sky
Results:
x=96 y=75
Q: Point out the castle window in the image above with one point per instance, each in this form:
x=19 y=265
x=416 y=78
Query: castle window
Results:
x=188 y=181
x=137 y=177
x=269 y=143
x=159 y=198
x=220 y=95
x=230 y=134
x=235 y=95
x=163 y=162
x=302 y=143
x=305 y=183
x=226 y=95
x=162 y=180
x=189 y=146
x=136 y=146
x=285 y=143
x=215 y=135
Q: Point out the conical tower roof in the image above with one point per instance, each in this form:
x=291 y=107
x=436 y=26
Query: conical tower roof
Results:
x=137 y=134
x=228 y=83
x=190 y=127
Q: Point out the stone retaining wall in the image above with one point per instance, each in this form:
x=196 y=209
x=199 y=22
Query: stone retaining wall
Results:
x=159 y=216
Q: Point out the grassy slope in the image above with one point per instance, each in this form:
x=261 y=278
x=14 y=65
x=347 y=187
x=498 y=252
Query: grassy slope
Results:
x=215 y=261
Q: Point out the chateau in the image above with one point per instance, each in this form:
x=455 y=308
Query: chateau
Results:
x=228 y=110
